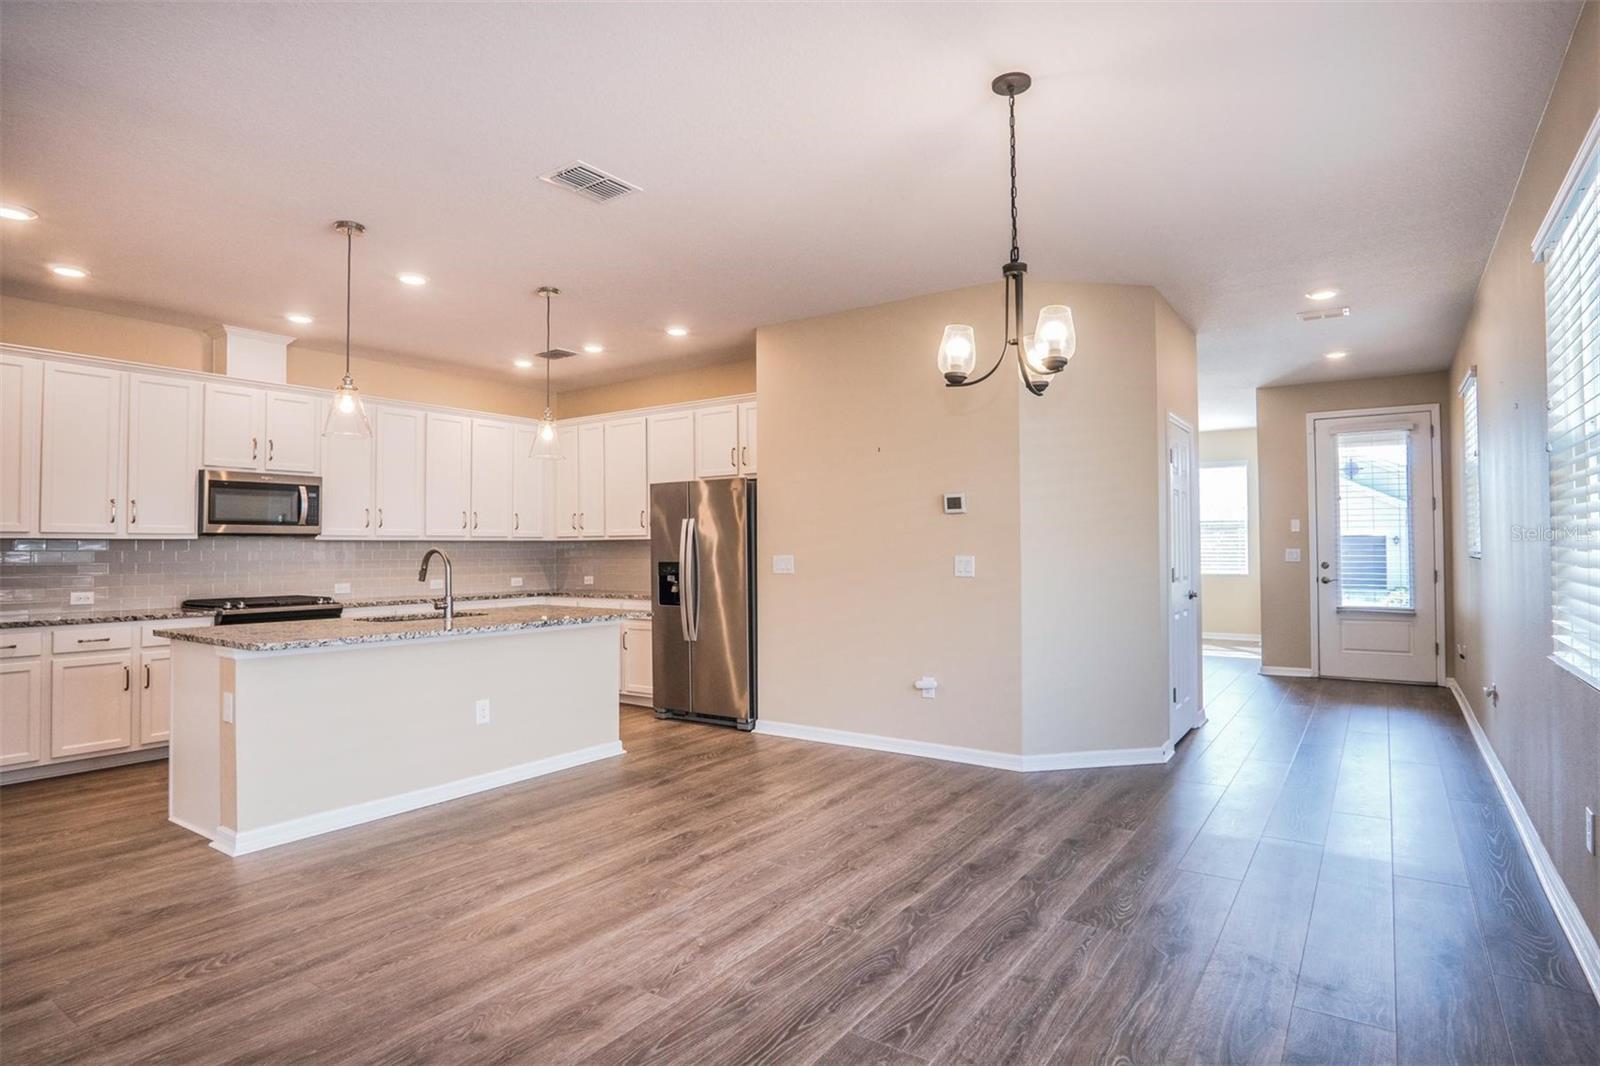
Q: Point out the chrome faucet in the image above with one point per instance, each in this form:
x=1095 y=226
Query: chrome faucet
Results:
x=449 y=585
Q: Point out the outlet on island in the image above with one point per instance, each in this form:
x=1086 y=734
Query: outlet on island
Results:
x=516 y=582
x=588 y=579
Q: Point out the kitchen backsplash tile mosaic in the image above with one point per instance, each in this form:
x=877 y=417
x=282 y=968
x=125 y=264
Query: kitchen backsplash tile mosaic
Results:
x=39 y=576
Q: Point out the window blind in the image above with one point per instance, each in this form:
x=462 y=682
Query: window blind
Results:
x=1225 y=518
x=1472 y=506
x=1374 y=519
x=1572 y=347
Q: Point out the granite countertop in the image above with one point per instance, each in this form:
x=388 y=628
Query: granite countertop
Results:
x=90 y=616
x=332 y=632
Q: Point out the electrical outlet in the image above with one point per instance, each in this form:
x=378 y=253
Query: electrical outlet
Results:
x=1461 y=651
x=966 y=566
x=341 y=588
x=1588 y=829
x=436 y=583
x=483 y=712
x=1291 y=555
x=516 y=582
x=588 y=579
x=83 y=599
x=783 y=564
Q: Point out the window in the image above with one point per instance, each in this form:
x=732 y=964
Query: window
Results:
x=1569 y=242
x=1374 y=516
x=1472 y=506
x=1225 y=518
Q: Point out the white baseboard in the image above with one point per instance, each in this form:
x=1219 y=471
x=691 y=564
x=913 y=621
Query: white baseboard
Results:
x=1287 y=671
x=231 y=843
x=209 y=834
x=999 y=760
x=1256 y=637
x=1578 y=933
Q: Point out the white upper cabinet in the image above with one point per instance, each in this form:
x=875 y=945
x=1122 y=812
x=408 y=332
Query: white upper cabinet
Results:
x=399 y=468
x=566 y=479
x=530 y=497
x=163 y=456
x=627 y=491
x=80 y=482
x=347 y=487
x=491 y=478
x=670 y=438
x=235 y=422
x=294 y=431
x=19 y=444
x=747 y=439
x=448 y=486
x=592 y=480
x=716 y=441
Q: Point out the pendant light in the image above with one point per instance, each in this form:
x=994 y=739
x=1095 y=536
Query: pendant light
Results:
x=546 y=441
x=1045 y=352
x=347 y=417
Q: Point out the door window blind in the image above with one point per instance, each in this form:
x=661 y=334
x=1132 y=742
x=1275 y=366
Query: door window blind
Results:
x=1472 y=506
x=1572 y=346
x=1224 y=518
x=1374 y=517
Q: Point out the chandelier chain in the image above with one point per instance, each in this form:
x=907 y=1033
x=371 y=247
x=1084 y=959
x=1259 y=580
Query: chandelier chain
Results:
x=1016 y=252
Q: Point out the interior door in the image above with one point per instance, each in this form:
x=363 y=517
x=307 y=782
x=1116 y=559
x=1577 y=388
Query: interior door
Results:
x=1374 y=560
x=1183 y=584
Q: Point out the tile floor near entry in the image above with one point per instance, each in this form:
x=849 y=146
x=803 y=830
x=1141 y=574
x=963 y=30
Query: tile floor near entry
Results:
x=1324 y=873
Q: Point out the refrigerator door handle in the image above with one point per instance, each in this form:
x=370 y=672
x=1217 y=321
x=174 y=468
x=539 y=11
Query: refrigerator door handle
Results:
x=683 y=577
x=692 y=586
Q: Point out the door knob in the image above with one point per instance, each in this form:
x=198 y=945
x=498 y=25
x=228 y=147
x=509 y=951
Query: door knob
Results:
x=1326 y=580
x=1193 y=595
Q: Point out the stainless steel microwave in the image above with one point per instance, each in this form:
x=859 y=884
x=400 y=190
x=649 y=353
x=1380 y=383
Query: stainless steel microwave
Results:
x=244 y=503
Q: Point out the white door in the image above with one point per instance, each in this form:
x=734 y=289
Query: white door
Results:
x=529 y=481
x=747 y=439
x=234 y=419
x=398 y=436
x=1374 y=565
x=294 y=431
x=19 y=445
x=626 y=486
x=670 y=438
x=21 y=711
x=716 y=441
x=163 y=456
x=1183 y=581
x=80 y=484
x=448 y=487
x=592 y=480
x=566 y=480
x=155 y=698
x=91 y=703
x=347 y=494
x=491 y=478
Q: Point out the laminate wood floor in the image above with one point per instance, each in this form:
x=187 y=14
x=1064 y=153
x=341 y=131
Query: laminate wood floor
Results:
x=1324 y=873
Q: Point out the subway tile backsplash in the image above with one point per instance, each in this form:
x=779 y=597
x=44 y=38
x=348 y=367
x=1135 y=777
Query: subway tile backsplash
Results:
x=39 y=576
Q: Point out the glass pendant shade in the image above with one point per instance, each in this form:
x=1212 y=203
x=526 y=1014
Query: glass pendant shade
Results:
x=347 y=415
x=958 y=353
x=546 y=440
x=1057 y=338
x=1034 y=353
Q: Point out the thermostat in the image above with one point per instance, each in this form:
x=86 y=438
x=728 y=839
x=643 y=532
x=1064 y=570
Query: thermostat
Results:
x=955 y=503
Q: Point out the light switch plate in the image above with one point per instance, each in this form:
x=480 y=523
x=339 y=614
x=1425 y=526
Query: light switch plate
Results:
x=966 y=566
x=481 y=709
x=783 y=564
x=1291 y=555
x=516 y=582
x=588 y=579
x=341 y=588
x=1294 y=525
x=83 y=599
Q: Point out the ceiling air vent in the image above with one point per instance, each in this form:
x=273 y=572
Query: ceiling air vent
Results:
x=1317 y=314
x=589 y=181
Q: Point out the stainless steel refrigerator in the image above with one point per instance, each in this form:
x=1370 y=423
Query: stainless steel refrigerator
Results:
x=702 y=555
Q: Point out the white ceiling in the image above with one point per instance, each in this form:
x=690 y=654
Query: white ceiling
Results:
x=795 y=160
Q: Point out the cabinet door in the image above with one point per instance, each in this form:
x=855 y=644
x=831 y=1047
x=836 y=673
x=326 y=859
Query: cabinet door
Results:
x=21 y=711
x=398 y=437
x=19 y=444
x=234 y=419
x=566 y=476
x=529 y=490
x=626 y=487
x=91 y=703
x=80 y=481
x=163 y=456
x=347 y=502
x=155 y=698
x=716 y=441
x=448 y=488
x=747 y=439
x=637 y=676
x=491 y=478
x=592 y=480
x=670 y=447
x=293 y=432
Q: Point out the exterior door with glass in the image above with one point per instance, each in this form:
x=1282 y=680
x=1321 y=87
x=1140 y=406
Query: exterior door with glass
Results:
x=1374 y=563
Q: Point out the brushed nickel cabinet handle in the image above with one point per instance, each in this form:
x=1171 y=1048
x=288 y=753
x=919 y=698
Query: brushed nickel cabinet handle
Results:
x=641 y=519
x=572 y=522
x=516 y=520
x=127 y=679
x=474 y=519
x=733 y=456
x=380 y=518
x=255 y=449
x=271 y=449
x=463 y=520
x=133 y=512
x=113 y=511
x=366 y=521
x=624 y=640
x=146 y=675
x=94 y=640
x=8 y=647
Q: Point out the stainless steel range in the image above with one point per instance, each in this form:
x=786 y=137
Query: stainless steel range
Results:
x=244 y=610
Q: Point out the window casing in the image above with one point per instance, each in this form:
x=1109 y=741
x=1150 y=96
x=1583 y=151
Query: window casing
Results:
x=1225 y=519
x=1471 y=486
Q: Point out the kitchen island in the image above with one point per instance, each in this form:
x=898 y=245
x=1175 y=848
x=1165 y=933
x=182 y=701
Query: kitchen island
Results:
x=286 y=730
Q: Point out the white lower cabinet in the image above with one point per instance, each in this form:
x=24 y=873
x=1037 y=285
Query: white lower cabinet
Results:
x=155 y=697
x=637 y=665
x=21 y=711
x=91 y=703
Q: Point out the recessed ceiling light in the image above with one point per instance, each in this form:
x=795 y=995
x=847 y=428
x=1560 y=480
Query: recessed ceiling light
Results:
x=522 y=364
x=677 y=331
x=65 y=271
x=1322 y=294
x=1340 y=354
x=18 y=213
x=412 y=279
x=594 y=349
x=299 y=318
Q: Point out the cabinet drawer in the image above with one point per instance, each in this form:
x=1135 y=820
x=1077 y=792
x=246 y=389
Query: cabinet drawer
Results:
x=147 y=631
x=19 y=643
x=91 y=638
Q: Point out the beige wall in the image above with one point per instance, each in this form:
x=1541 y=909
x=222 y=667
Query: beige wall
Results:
x=1281 y=448
x=148 y=339
x=1058 y=643
x=1546 y=728
x=1231 y=603
x=680 y=386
